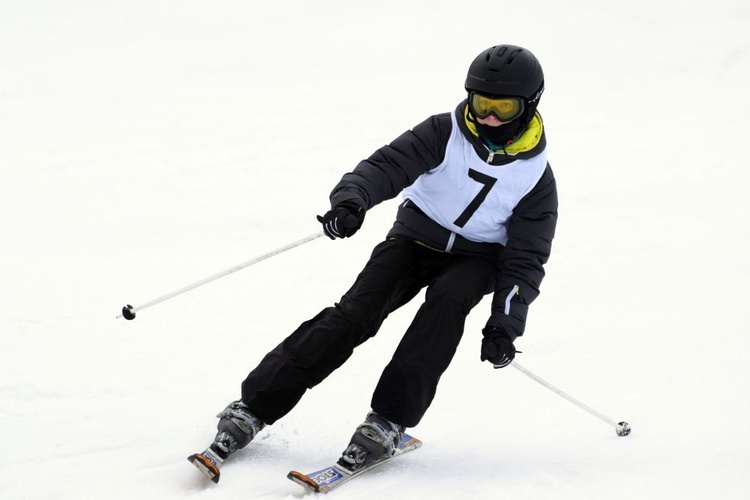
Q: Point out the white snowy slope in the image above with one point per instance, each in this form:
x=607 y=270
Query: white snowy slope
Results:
x=145 y=145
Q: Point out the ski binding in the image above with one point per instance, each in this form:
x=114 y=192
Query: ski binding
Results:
x=330 y=478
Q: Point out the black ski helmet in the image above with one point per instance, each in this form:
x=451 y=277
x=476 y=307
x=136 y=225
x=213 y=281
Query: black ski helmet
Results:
x=506 y=70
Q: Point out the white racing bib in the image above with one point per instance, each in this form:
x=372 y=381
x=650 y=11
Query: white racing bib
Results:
x=470 y=197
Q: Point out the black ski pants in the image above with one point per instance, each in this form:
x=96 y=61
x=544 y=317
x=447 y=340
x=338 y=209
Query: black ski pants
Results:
x=395 y=273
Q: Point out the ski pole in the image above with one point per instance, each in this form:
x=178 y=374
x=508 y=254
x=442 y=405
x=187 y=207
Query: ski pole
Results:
x=621 y=428
x=128 y=311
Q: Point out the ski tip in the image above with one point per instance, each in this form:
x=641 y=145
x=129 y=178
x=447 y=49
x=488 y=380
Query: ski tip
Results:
x=304 y=480
x=206 y=466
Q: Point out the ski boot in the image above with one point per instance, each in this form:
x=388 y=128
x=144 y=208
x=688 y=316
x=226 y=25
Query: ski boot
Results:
x=374 y=440
x=237 y=427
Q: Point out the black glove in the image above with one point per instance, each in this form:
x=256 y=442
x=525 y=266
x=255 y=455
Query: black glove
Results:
x=497 y=348
x=342 y=221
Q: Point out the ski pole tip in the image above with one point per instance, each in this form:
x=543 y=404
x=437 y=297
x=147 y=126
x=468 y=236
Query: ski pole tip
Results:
x=128 y=312
x=622 y=429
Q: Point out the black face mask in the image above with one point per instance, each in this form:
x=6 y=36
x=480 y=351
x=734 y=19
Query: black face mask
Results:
x=501 y=135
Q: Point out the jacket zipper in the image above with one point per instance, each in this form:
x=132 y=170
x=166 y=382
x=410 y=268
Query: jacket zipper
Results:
x=491 y=155
x=516 y=290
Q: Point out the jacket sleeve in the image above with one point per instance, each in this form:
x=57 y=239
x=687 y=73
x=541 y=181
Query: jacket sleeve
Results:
x=530 y=233
x=396 y=166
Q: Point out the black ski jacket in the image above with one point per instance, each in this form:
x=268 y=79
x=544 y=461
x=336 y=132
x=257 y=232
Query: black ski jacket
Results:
x=530 y=230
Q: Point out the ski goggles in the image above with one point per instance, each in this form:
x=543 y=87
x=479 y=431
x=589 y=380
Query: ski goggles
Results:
x=506 y=109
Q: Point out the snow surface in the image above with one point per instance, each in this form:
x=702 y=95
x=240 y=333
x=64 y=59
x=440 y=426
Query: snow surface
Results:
x=145 y=145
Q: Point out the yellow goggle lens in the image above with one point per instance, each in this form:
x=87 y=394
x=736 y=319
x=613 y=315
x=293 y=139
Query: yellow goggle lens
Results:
x=505 y=108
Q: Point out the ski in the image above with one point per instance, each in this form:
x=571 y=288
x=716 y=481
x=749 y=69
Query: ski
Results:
x=208 y=463
x=330 y=478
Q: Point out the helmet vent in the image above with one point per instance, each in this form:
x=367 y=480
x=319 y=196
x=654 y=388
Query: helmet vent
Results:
x=512 y=56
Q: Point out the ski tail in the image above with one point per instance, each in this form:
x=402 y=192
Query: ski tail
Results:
x=304 y=480
x=204 y=463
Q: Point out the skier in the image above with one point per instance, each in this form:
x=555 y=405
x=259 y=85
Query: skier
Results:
x=478 y=217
